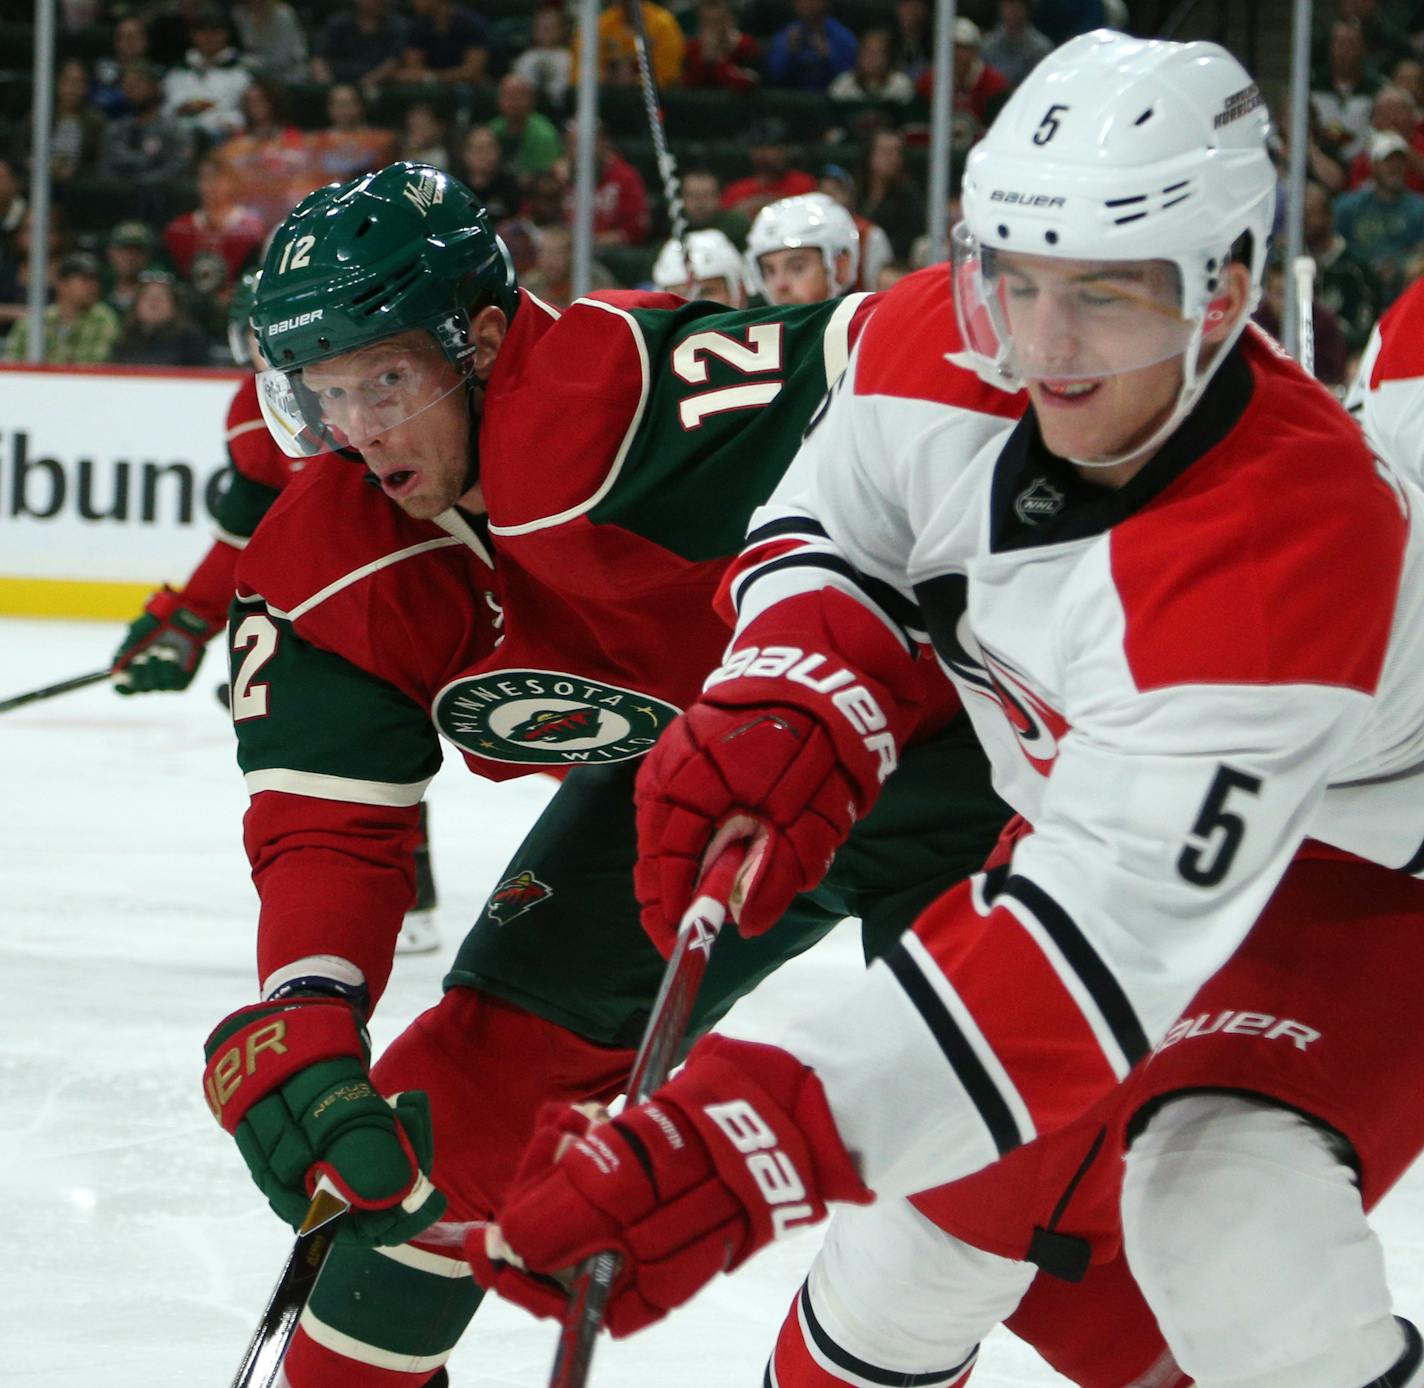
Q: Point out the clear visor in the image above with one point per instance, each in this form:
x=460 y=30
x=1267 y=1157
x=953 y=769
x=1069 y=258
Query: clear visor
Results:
x=1047 y=318
x=350 y=400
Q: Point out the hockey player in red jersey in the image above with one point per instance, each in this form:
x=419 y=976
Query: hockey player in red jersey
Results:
x=165 y=644
x=1183 y=606
x=522 y=557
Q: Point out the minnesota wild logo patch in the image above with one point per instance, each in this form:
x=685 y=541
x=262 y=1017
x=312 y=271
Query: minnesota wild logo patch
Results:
x=515 y=895
x=548 y=718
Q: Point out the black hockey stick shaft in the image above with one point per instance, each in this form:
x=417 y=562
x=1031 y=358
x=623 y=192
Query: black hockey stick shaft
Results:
x=662 y=1040
x=667 y=165
x=50 y=690
x=268 y=1347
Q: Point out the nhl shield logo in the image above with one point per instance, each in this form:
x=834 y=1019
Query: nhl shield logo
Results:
x=515 y=895
x=548 y=718
x=1039 y=502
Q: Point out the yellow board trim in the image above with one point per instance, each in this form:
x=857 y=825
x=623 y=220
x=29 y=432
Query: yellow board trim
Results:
x=94 y=599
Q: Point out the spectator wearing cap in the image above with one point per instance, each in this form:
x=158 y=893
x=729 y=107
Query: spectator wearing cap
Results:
x=158 y=329
x=1393 y=109
x=719 y=54
x=129 y=252
x=874 y=77
x=702 y=205
x=772 y=177
x=875 y=251
x=274 y=45
x=980 y=90
x=617 y=51
x=530 y=141
x=1342 y=92
x=812 y=51
x=1383 y=222
x=1013 y=45
x=146 y=147
x=448 y=44
x=206 y=91
x=889 y=196
x=1343 y=281
x=620 y=197
x=363 y=46
x=79 y=328
x=129 y=45
x=548 y=61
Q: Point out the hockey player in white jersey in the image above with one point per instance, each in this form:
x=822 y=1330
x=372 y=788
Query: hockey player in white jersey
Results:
x=803 y=250
x=717 y=271
x=1185 y=609
x=1387 y=395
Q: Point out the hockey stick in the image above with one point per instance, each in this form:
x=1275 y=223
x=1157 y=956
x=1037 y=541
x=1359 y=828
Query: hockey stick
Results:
x=268 y=1346
x=50 y=690
x=1304 y=272
x=667 y=165
x=666 y=1030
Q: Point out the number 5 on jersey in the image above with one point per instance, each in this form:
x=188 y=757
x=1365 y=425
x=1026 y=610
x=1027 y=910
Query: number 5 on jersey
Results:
x=257 y=635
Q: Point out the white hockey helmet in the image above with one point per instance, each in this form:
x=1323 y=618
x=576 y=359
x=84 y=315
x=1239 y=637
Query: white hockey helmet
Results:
x=1121 y=149
x=812 y=219
x=713 y=257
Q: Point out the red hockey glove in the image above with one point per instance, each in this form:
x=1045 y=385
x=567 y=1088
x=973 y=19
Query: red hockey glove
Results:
x=163 y=648
x=290 y=1081
x=739 y=1149
x=788 y=744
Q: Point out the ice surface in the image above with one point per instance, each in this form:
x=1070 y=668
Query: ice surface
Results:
x=136 y=1253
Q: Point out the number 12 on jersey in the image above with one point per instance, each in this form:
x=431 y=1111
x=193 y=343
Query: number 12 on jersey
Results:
x=761 y=354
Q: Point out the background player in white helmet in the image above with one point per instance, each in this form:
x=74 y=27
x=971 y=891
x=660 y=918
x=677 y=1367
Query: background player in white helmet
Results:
x=717 y=273
x=802 y=250
x=1139 y=589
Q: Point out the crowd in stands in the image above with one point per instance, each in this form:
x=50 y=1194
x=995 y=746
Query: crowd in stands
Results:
x=184 y=131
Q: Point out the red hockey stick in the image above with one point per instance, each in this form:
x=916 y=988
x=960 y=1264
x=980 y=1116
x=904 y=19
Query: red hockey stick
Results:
x=667 y=1028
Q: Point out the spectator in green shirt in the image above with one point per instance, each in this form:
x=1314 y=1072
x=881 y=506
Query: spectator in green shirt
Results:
x=530 y=142
x=702 y=202
x=79 y=329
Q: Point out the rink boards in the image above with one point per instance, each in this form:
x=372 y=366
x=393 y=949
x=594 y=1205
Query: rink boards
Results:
x=108 y=476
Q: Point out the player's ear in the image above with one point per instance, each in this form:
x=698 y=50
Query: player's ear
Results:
x=487 y=330
x=1228 y=306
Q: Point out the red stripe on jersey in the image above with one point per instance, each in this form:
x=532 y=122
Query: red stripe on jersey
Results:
x=903 y=350
x=1274 y=559
x=1401 y=353
x=1021 y=1006
x=309 y=1362
x=751 y=558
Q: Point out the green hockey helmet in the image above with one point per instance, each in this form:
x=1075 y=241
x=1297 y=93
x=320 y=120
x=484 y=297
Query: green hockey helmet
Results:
x=406 y=250
x=239 y=318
